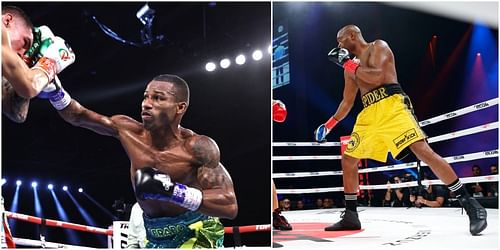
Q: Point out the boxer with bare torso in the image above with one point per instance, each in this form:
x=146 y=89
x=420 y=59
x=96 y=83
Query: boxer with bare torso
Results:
x=178 y=179
x=386 y=124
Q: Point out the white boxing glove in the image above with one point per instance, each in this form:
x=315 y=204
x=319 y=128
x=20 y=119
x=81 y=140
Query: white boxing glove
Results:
x=55 y=58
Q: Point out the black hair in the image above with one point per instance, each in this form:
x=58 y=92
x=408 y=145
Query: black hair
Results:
x=181 y=86
x=17 y=12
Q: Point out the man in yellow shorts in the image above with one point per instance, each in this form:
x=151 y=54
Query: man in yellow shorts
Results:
x=386 y=124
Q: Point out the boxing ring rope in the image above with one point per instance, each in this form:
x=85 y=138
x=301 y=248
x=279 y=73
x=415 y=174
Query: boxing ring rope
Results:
x=451 y=159
x=436 y=119
x=235 y=230
x=56 y=223
x=465 y=180
x=46 y=244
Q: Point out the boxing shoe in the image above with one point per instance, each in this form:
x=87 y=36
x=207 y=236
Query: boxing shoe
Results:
x=349 y=221
x=477 y=214
x=280 y=222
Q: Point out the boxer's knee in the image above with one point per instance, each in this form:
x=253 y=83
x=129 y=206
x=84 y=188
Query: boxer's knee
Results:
x=423 y=151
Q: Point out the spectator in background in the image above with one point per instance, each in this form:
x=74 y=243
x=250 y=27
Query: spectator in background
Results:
x=286 y=205
x=299 y=205
x=431 y=196
x=493 y=169
x=394 y=197
x=319 y=203
x=476 y=189
x=492 y=187
x=328 y=203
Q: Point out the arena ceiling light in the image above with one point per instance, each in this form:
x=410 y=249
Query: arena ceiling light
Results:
x=4 y=181
x=257 y=55
x=18 y=183
x=80 y=190
x=210 y=66
x=65 y=188
x=225 y=63
x=50 y=186
x=240 y=59
x=34 y=184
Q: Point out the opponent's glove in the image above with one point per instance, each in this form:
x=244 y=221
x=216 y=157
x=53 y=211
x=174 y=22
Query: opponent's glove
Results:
x=40 y=43
x=324 y=129
x=57 y=96
x=341 y=57
x=56 y=57
x=279 y=111
x=150 y=184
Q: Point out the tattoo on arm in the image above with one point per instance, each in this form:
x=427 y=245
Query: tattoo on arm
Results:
x=206 y=152
x=211 y=178
x=14 y=106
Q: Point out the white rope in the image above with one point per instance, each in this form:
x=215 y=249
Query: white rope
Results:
x=436 y=119
x=37 y=243
x=305 y=144
x=487 y=178
x=306 y=157
x=450 y=159
x=470 y=157
x=452 y=135
x=469 y=131
x=462 y=111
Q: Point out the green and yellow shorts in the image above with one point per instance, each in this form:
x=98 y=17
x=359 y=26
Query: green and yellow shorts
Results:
x=188 y=230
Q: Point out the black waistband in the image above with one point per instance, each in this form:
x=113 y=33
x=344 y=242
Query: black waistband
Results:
x=381 y=93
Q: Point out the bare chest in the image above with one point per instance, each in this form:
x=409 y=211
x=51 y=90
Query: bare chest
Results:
x=176 y=161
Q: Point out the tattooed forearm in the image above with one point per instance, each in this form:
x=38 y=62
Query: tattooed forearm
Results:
x=14 y=106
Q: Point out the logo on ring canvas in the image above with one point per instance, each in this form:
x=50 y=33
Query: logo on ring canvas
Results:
x=353 y=143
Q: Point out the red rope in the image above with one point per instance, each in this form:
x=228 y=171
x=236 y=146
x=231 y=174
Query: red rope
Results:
x=249 y=229
x=90 y=229
x=55 y=223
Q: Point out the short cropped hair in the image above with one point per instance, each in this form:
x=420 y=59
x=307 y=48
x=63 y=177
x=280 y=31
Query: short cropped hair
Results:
x=19 y=13
x=181 y=86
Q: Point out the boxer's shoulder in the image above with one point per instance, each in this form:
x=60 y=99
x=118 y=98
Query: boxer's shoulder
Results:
x=123 y=122
x=204 y=149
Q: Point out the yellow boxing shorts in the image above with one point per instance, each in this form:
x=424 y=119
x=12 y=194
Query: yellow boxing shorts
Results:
x=386 y=124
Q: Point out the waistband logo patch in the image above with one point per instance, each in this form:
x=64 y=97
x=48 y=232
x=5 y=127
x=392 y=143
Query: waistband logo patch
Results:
x=405 y=138
x=373 y=96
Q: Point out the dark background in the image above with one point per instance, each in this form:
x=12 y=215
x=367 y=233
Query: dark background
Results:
x=435 y=86
x=231 y=106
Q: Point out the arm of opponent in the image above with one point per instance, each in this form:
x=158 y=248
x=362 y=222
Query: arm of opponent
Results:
x=219 y=198
x=14 y=106
x=25 y=81
x=372 y=71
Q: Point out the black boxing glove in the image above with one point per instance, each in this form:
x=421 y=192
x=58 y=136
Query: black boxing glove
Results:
x=150 y=184
x=341 y=57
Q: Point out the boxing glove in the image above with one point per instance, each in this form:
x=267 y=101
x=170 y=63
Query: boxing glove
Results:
x=341 y=57
x=57 y=96
x=41 y=41
x=279 y=111
x=150 y=184
x=55 y=57
x=324 y=129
